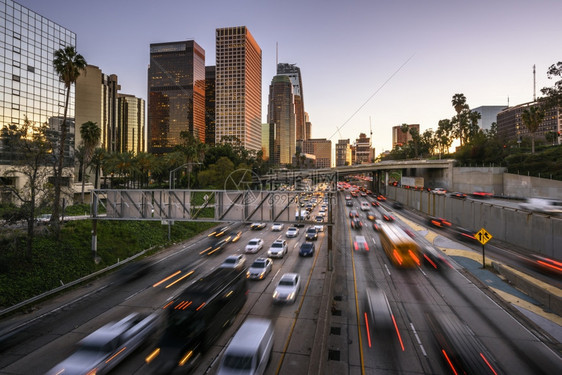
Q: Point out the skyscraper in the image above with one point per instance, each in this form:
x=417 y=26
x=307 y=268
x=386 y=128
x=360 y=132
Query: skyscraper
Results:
x=294 y=73
x=343 y=153
x=363 y=153
x=130 y=120
x=322 y=149
x=176 y=94
x=281 y=115
x=210 y=105
x=238 y=88
x=29 y=84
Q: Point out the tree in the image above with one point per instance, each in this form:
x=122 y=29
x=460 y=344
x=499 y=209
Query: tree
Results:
x=68 y=64
x=91 y=134
x=31 y=153
x=532 y=117
x=459 y=104
x=443 y=136
x=553 y=94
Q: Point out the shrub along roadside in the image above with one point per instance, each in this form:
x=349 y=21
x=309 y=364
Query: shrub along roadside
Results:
x=72 y=258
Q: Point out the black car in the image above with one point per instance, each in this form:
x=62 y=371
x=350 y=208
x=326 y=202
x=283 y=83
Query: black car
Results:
x=307 y=249
x=311 y=234
x=356 y=223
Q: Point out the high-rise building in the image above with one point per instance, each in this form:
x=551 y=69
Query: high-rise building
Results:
x=363 y=151
x=322 y=149
x=265 y=140
x=343 y=153
x=511 y=126
x=131 y=125
x=294 y=73
x=238 y=88
x=281 y=115
x=488 y=115
x=307 y=126
x=96 y=101
x=29 y=84
x=399 y=138
x=210 y=105
x=176 y=94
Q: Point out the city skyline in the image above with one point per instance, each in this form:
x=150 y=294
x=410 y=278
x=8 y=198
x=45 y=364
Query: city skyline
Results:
x=396 y=63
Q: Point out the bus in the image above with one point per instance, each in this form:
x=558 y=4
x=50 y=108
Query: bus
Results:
x=196 y=318
x=399 y=247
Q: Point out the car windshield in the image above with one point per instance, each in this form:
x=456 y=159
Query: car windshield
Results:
x=286 y=283
x=259 y=264
x=253 y=242
x=306 y=246
x=238 y=362
x=230 y=261
x=277 y=244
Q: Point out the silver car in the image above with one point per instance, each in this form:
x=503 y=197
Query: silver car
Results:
x=288 y=288
x=292 y=232
x=254 y=245
x=278 y=249
x=259 y=269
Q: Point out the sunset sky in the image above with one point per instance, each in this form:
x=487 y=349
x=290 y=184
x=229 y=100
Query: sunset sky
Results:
x=394 y=62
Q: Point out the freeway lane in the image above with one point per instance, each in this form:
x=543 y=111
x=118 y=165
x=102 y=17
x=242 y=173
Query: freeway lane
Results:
x=414 y=296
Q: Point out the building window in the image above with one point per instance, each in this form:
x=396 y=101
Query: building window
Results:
x=31 y=69
x=15 y=78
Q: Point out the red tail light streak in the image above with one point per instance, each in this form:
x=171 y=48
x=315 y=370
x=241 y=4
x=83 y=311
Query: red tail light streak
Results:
x=397 y=332
x=488 y=363
x=449 y=362
x=368 y=330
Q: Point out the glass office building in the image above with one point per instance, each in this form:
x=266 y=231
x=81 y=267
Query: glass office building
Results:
x=29 y=84
x=281 y=115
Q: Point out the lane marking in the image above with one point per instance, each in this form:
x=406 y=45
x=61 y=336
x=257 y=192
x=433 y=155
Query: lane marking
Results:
x=418 y=339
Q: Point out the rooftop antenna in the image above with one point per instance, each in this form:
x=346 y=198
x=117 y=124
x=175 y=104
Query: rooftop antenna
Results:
x=370 y=132
x=276 y=56
x=508 y=101
x=534 y=84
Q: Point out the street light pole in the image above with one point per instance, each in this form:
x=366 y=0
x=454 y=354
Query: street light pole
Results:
x=173 y=171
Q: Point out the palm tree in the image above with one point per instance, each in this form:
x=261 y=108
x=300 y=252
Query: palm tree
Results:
x=97 y=160
x=91 y=134
x=532 y=118
x=68 y=64
x=459 y=103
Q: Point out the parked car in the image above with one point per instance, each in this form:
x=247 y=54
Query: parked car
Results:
x=288 y=288
x=254 y=245
x=311 y=234
x=259 y=269
x=257 y=226
x=234 y=261
x=307 y=249
x=278 y=249
x=276 y=227
x=292 y=232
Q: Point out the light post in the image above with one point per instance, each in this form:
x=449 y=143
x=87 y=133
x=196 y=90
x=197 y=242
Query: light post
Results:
x=173 y=171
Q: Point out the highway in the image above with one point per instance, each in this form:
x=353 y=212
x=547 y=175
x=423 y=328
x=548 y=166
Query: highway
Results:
x=324 y=331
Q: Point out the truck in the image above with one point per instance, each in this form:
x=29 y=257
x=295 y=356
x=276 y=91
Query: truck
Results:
x=411 y=182
x=105 y=348
x=196 y=318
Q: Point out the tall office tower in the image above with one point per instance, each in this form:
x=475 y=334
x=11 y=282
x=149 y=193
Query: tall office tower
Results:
x=131 y=125
x=363 y=153
x=307 y=126
x=488 y=115
x=343 y=153
x=176 y=94
x=210 y=105
x=322 y=149
x=96 y=101
x=511 y=126
x=238 y=88
x=399 y=138
x=29 y=84
x=265 y=141
x=281 y=115
x=294 y=73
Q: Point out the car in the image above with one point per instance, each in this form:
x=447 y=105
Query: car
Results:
x=465 y=234
x=545 y=206
x=287 y=288
x=353 y=213
x=254 y=245
x=356 y=223
x=319 y=219
x=365 y=206
x=377 y=225
x=438 y=222
x=375 y=204
x=349 y=203
x=397 y=205
x=219 y=232
x=458 y=195
x=381 y=198
x=307 y=249
x=371 y=216
x=218 y=246
x=235 y=236
x=439 y=191
x=276 y=227
x=105 y=348
x=234 y=261
x=388 y=217
x=43 y=219
x=311 y=234
x=278 y=249
x=360 y=244
x=481 y=195
x=292 y=232
x=257 y=226
x=259 y=269
x=319 y=227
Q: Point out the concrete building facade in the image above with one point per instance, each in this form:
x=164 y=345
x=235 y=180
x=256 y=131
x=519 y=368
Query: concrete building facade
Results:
x=322 y=149
x=399 y=138
x=511 y=126
x=343 y=153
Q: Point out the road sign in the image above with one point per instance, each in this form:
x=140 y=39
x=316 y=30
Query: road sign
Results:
x=483 y=236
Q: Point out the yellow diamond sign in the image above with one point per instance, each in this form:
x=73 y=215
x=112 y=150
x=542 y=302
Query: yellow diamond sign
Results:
x=483 y=236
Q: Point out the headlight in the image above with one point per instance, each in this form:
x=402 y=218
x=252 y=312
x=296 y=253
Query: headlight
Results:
x=291 y=296
x=248 y=275
x=275 y=294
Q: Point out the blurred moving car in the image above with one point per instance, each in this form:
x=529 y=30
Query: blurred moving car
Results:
x=254 y=245
x=356 y=223
x=234 y=261
x=292 y=232
x=457 y=195
x=375 y=204
x=388 y=217
x=307 y=249
x=397 y=205
x=545 y=206
x=235 y=236
x=481 y=195
x=438 y=222
x=288 y=288
x=353 y=213
x=259 y=269
x=365 y=206
x=464 y=234
x=278 y=249
x=377 y=225
x=360 y=244
x=219 y=232
x=257 y=226
x=276 y=227
x=102 y=350
x=439 y=191
x=378 y=309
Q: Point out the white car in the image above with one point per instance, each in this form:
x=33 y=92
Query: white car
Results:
x=292 y=232
x=276 y=227
x=234 y=261
x=546 y=206
x=439 y=191
x=254 y=245
x=278 y=249
x=259 y=269
x=288 y=288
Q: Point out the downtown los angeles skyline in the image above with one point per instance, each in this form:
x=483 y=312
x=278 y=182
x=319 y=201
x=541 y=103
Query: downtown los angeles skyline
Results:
x=361 y=61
